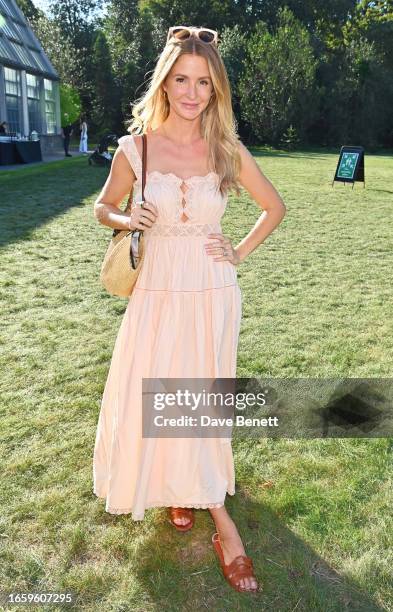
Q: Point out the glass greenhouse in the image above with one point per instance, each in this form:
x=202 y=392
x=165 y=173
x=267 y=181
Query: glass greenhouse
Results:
x=29 y=85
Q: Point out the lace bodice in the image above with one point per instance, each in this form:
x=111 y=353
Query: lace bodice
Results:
x=194 y=200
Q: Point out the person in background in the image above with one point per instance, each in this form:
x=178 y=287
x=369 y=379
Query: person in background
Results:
x=3 y=128
x=83 y=140
x=66 y=132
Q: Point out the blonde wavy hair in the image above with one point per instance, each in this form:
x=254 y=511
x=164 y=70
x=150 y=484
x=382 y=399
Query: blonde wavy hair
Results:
x=218 y=123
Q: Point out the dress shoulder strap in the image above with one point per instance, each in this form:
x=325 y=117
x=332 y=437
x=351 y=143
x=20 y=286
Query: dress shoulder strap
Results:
x=128 y=146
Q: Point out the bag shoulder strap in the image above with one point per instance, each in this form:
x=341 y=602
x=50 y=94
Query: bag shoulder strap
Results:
x=144 y=155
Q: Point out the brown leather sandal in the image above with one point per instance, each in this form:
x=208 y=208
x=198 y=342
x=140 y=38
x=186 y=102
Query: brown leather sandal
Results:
x=240 y=567
x=176 y=513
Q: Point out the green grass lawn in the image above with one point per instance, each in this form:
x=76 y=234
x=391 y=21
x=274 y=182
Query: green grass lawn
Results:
x=315 y=515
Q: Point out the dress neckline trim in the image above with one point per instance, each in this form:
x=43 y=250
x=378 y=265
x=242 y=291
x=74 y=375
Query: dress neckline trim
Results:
x=170 y=174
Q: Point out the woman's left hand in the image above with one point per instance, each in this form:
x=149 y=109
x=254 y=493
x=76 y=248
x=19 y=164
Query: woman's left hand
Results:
x=223 y=249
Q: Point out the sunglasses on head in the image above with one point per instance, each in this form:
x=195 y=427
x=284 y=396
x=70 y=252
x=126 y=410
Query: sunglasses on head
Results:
x=183 y=32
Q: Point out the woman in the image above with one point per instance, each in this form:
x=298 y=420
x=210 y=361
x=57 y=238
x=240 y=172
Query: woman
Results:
x=183 y=317
x=83 y=140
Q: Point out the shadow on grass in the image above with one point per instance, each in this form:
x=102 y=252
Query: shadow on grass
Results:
x=181 y=569
x=33 y=196
x=260 y=152
x=309 y=152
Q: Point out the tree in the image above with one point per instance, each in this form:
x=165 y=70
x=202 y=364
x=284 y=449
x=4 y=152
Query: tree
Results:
x=60 y=53
x=74 y=16
x=202 y=13
x=357 y=109
x=278 y=85
x=28 y=9
x=133 y=50
x=104 y=100
x=232 y=47
x=77 y=21
x=70 y=104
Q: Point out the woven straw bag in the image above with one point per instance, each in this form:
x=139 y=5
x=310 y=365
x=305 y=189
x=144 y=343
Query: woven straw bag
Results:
x=124 y=256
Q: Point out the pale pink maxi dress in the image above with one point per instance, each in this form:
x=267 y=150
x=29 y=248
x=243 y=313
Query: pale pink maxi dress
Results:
x=182 y=321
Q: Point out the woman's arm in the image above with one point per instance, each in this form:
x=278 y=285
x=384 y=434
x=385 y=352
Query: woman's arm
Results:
x=268 y=199
x=118 y=184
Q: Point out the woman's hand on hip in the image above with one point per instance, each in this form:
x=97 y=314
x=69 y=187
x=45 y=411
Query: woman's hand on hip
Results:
x=223 y=249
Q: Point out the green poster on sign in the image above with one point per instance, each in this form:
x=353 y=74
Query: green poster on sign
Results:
x=347 y=165
x=350 y=165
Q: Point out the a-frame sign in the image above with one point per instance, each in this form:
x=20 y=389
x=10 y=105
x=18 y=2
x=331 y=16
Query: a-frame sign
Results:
x=350 y=166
